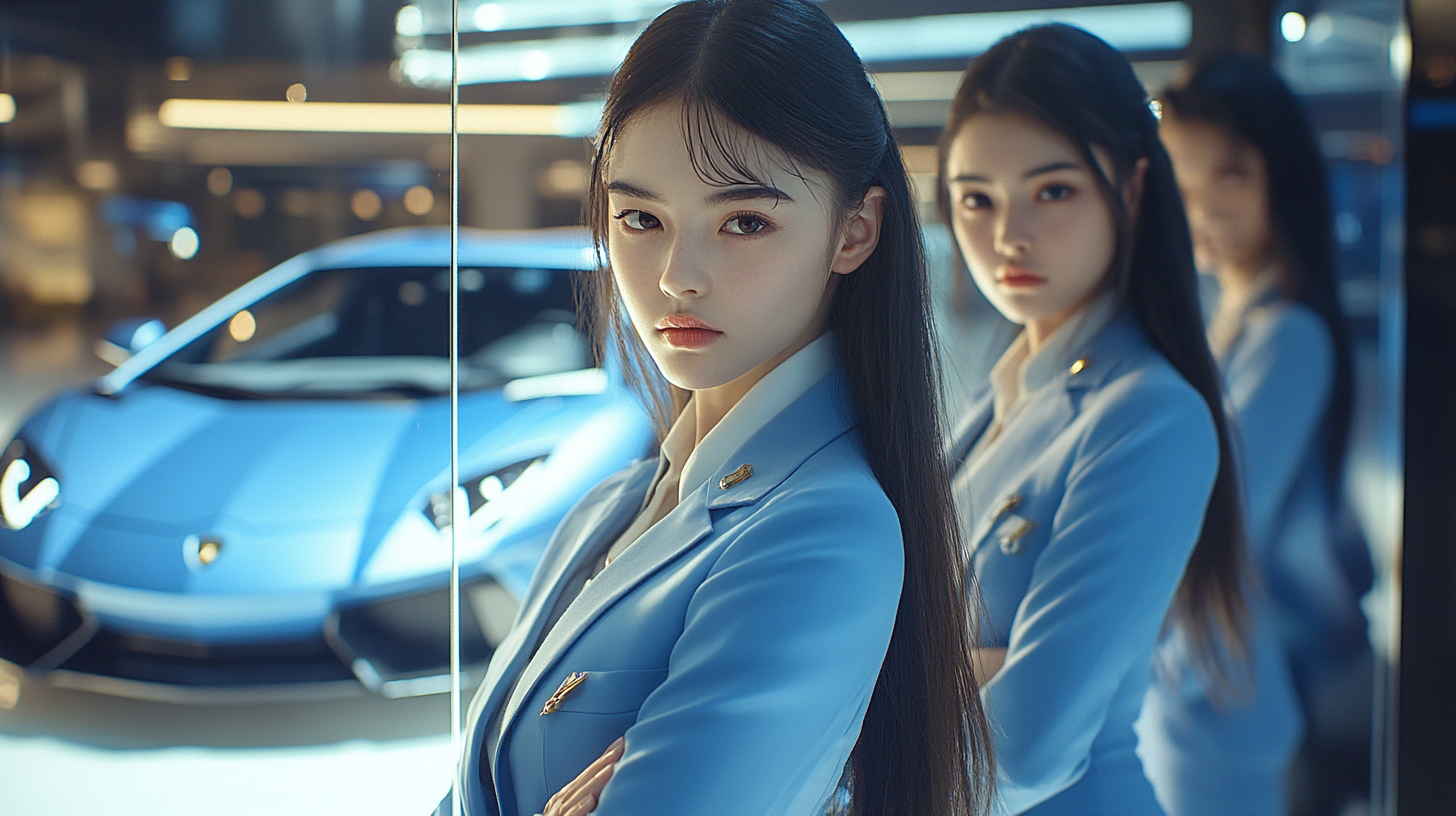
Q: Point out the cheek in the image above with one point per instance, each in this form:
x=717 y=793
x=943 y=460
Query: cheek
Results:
x=977 y=245
x=1077 y=244
x=636 y=269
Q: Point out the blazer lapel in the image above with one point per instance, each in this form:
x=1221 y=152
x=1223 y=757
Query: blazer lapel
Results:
x=677 y=532
x=1053 y=408
x=811 y=422
x=970 y=427
x=607 y=515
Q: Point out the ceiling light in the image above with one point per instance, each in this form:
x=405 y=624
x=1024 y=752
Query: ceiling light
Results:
x=433 y=16
x=1292 y=26
x=379 y=117
x=184 y=243
x=1163 y=26
x=7 y=108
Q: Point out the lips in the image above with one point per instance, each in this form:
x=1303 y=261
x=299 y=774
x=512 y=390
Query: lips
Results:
x=1019 y=277
x=686 y=332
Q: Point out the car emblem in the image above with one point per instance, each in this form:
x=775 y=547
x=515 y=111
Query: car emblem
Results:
x=201 y=551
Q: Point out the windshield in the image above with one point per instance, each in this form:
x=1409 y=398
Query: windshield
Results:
x=385 y=332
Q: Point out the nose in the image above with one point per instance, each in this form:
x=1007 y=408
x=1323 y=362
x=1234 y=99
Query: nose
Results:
x=1014 y=237
x=683 y=272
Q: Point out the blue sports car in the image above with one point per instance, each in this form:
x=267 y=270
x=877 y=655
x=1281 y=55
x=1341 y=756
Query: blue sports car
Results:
x=255 y=504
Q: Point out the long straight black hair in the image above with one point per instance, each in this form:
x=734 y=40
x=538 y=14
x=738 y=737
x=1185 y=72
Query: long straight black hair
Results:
x=1247 y=99
x=781 y=72
x=1081 y=87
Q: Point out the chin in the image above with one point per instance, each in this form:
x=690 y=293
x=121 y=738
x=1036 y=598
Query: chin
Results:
x=691 y=370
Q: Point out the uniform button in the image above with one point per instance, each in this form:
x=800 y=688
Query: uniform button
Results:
x=1081 y=363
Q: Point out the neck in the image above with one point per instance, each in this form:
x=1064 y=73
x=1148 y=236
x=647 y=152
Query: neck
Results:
x=710 y=405
x=1237 y=278
x=1039 y=331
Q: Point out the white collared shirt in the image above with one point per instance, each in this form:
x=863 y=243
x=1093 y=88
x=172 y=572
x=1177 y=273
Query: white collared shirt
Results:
x=1019 y=374
x=684 y=468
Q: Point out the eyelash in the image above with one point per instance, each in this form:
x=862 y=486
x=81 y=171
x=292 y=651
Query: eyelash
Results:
x=981 y=200
x=766 y=227
x=623 y=215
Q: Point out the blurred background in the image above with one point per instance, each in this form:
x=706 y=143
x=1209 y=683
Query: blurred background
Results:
x=157 y=154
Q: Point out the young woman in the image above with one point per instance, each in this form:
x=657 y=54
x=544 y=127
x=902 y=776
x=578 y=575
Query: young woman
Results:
x=778 y=592
x=1254 y=185
x=1093 y=475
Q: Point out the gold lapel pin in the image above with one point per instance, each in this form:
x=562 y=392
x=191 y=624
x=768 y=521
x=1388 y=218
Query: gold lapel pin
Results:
x=567 y=686
x=742 y=473
x=1012 y=502
x=1081 y=363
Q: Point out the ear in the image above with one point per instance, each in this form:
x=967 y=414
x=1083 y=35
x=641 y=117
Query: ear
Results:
x=861 y=233
x=1132 y=191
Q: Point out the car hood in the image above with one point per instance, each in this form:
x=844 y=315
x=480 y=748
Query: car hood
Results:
x=299 y=492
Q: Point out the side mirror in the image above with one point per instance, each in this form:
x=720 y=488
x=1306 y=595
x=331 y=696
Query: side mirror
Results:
x=127 y=337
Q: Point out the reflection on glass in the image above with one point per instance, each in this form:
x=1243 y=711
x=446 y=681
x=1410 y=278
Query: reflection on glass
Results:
x=375 y=332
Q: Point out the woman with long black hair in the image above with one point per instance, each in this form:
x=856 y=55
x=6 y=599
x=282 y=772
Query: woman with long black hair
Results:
x=721 y=629
x=1254 y=185
x=1093 y=473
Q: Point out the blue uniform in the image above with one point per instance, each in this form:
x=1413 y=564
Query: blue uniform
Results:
x=736 y=644
x=1081 y=517
x=1230 y=756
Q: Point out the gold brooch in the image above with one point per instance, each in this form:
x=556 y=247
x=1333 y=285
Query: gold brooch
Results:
x=743 y=472
x=1011 y=543
x=567 y=686
x=1012 y=502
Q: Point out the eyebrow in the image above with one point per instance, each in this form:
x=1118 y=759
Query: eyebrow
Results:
x=748 y=192
x=633 y=190
x=738 y=192
x=1035 y=171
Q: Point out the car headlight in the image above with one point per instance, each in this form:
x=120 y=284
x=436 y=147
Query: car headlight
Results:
x=481 y=491
x=28 y=486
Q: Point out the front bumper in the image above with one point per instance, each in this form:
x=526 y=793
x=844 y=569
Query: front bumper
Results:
x=396 y=646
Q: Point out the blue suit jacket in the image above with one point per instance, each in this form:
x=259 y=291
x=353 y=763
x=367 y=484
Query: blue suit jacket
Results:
x=1081 y=520
x=736 y=644
x=1207 y=757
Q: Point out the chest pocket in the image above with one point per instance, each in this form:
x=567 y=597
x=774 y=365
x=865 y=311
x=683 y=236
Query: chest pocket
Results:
x=1003 y=562
x=588 y=718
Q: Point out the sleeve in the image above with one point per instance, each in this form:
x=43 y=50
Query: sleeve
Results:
x=1277 y=393
x=1099 y=592
x=780 y=652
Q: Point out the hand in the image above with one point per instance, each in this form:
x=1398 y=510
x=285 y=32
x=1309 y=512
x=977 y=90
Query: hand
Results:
x=581 y=795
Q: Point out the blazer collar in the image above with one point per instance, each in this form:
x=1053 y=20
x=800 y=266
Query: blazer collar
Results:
x=815 y=419
x=1054 y=408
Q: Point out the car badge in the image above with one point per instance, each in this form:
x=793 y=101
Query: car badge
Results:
x=201 y=551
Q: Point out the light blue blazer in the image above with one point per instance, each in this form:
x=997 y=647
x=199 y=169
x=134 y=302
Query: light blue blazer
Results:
x=1081 y=520
x=736 y=643
x=1231 y=756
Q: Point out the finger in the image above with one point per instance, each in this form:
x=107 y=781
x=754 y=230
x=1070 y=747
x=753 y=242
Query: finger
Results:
x=583 y=806
x=607 y=759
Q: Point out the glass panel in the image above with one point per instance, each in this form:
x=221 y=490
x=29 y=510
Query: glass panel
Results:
x=1348 y=60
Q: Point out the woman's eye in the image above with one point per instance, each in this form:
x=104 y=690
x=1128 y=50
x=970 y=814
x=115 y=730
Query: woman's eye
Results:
x=975 y=201
x=638 y=221
x=745 y=225
x=1056 y=192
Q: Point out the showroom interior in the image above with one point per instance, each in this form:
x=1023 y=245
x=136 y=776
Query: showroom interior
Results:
x=166 y=163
